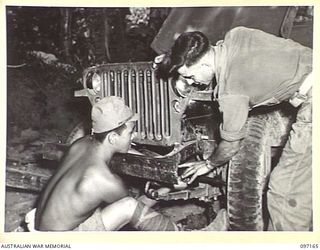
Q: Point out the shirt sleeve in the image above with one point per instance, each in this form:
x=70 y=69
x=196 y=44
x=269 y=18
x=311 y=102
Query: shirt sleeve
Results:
x=235 y=109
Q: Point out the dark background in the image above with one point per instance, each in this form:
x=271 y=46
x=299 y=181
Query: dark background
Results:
x=48 y=48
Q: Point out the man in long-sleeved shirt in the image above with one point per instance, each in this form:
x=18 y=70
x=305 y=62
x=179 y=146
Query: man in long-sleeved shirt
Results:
x=253 y=68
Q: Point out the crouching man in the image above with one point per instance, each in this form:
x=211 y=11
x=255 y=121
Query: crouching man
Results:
x=84 y=195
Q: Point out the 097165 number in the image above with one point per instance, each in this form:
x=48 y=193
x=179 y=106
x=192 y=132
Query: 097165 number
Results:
x=309 y=246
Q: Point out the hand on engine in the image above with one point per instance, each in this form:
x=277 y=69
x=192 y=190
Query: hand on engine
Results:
x=195 y=169
x=180 y=185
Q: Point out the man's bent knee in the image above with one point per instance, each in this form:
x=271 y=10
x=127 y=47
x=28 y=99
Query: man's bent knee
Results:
x=147 y=219
x=128 y=206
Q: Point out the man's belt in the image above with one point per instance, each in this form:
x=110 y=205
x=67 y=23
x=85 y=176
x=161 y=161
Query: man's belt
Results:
x=300 y=96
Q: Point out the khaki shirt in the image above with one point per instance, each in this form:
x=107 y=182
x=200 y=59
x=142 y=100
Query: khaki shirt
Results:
x=254 y=68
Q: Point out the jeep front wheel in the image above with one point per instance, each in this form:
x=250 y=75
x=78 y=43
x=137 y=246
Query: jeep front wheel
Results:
x=247 y=175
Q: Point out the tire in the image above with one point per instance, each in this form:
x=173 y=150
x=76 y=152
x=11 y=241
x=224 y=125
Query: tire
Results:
x=247 y=176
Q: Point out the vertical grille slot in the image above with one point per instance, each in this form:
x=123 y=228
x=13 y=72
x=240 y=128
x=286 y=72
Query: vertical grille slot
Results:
x=164 y=92
x=149 y=104
x=125 y=87
x=145 y=102
x=104 y=87
x=112 y=83
x=118 y=85
x=141 y=104
x=121 y=85
x=156 y=106
x=135 y=97
x=130 y=93
x=108 y=83
x=162 y=107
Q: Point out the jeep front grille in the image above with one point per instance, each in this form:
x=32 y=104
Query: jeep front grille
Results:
x=146 y=95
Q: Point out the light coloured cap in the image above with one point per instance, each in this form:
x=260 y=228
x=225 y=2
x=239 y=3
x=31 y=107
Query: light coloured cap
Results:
x=110 y=113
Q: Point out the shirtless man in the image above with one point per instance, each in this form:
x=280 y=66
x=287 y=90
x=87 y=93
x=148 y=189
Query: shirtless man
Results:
x=84 y=195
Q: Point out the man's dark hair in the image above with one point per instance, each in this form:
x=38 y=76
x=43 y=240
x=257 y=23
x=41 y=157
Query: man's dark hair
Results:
x=188 y=48
x=100 y=137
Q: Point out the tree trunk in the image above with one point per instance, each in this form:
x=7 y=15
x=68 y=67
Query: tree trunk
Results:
x=66 y=33
x=107 y=39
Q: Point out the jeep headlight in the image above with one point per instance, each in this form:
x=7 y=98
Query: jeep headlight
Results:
x=96 y=82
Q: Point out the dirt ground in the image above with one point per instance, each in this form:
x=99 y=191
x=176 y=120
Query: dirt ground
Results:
x=17 y=205
x=23 y=148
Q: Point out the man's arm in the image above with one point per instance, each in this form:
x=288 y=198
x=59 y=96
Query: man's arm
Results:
x=224 y=152
x=221 y=155
x=235 y=110
x=115 y=190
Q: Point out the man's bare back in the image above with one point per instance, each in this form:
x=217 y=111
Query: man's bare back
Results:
x=81 y=184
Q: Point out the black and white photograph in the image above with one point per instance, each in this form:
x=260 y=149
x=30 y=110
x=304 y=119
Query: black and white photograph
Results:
x=159 y=119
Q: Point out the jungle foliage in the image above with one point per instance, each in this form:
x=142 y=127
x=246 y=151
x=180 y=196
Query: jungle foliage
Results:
x=49 y=47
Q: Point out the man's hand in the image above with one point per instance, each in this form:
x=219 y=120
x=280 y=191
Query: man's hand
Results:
x=180 y=185
x=150 y=202
x=195 y=169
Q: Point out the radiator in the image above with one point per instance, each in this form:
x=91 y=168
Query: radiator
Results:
x=145 y=94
